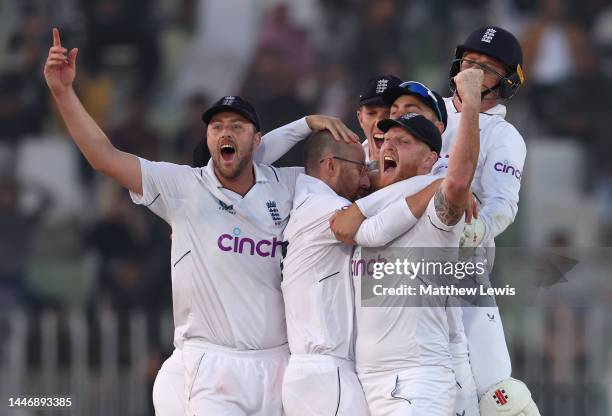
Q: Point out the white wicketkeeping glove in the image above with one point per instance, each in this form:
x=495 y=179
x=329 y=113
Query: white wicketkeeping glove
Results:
x=472 y=233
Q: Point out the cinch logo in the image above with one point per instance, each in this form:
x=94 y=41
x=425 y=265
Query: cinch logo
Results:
x=262 y=248
x=363 y=267
x=505 y=167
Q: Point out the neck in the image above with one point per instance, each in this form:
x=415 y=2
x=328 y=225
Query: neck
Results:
x=485 y=105
x=242 y=183
x=326 y=179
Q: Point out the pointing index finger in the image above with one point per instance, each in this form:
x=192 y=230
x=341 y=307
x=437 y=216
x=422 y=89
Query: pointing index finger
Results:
x=56 y=37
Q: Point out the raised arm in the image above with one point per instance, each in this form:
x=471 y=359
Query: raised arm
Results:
x=60 y=71
x=279 y=141
x=451 y=198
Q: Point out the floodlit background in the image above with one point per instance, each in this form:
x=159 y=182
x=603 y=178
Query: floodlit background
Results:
x=85 y=292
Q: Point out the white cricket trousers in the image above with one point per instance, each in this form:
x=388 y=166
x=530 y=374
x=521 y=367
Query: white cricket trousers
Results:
x=466 y=399
x=203 y=379
x=418 y=391
x=489 y=356
x=322 y=385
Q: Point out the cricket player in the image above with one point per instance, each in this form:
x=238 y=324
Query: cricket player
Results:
x=402 y=354
x=415 y=97
x=320 y=378
x=317 y=285
x=372 y=109
x=227 y=220
x=496 y=186
x=411 y=96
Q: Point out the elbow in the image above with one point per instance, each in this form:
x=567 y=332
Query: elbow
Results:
x=456 y=190
x=102 y=159
x=97 y=166
x=100 y=165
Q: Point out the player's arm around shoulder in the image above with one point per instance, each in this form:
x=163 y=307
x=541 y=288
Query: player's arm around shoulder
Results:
x=279 y=141
x=451 y=198
x=60 y=72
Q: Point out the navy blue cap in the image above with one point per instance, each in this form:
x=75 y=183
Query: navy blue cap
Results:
x=234 y=104
x=375 y=88
x=417 y=125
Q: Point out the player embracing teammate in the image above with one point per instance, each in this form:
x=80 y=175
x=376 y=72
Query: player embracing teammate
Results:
x=228 y=222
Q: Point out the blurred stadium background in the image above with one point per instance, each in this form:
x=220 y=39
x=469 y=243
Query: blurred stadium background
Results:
x=85 y=291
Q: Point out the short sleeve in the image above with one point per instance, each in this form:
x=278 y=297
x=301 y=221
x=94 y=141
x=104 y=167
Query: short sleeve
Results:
x=437 y=224
x=162 y=183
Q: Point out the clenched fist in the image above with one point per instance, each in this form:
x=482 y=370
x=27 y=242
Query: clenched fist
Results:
x=469 y=86
x=60 y=68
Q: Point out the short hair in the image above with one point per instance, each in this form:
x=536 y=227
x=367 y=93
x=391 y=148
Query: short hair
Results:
x=317 y=144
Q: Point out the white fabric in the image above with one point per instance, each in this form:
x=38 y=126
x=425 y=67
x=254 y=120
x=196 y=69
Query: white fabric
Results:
x=386 y=226
x=466 y=398
x=225 y=254
x=322 y=385
x=423 y=391
x=317 y=285
x=511 y=397
x=366 y=148
x=496 y=182
x=168 y=390
x=489 y=356
x=496 y=185
x=277 y=142
x=373 y=203
x=224 y=382
x=391 y=337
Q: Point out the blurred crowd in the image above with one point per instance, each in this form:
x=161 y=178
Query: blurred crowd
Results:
x=148 y=68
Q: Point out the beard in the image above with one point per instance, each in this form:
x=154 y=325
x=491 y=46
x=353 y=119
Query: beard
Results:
x=242 y=158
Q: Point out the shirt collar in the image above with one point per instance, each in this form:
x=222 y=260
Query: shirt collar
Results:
x=498 y=110
x=306 y=185
x=260 y=175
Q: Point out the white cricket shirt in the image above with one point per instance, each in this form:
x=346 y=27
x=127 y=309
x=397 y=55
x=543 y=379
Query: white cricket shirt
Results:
x=497 y=179
x=226 y=252
x=317 y=284
x=391 y=338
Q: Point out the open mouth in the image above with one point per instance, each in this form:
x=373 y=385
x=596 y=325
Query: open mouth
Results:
x=389 y=164
x=378 y=140
x=228 y=152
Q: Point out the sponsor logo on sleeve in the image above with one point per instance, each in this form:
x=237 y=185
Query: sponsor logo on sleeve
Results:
x=506 y=167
